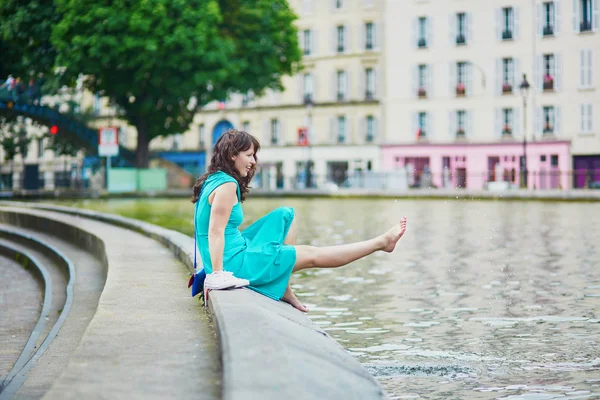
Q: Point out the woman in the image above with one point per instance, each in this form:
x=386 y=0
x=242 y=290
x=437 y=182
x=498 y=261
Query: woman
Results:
x=265 y=254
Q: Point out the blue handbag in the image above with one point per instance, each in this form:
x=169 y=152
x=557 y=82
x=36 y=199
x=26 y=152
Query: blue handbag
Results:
x=197 y=280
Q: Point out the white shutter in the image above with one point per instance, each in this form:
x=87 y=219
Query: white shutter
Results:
x=590 y=118
x=362 y=37
x=499 y=77
x=498 y=13
x=415 y=32
x=430 y=81
x=558 y=72
x=333 y=86
x=590 y=59
x=332 y=130
x=362 y=84
x=363 y=129
x=429 y=33
x=517 y=22
x=452 y=124
x=516 y=73
x=314 y=46
x=348 y=83
x=282 y=139
x=301 y=40
x=469 y=79
x=333 y=43
x=539 y=121
x=596 y=15
x=498 y=123
x=415 y=124
x=469 y=123
x=314 y=86
x=517 y=122
x=557 y=120
x=375 y=129
x=452 y=30
x=576 y=18
x=300 y=87
x=378 y=83
x=539 y=75
x=452 y=79
x=415 y=81
x=539 y=19
x=469 y=30
x=557 y=19
x=429 y=124
x=378 y=35
x=347 y=41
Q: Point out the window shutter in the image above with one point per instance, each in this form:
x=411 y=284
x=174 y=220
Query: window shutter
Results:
x=452 y=80
x=415 y=124
x=415 y=32
x=517 y=22
x=539 y=120
x=557 y=120
x=557 y=19
x=348 y=83
x=582 y=68
x=314 y=46
x=576 y=15
x=539 y=19
x=375 y=129
x=429 y=73
x=452 y=30
x=499 y=77
x=469 y=123
x=377 y=83
x=333 y=44
x=300 y=87
x=363 y=129
x=415 y=81
x=582 y=118
x=347 y=41
x=499 y=26
x=314 y=86
x=517 y=122
x=301 y=40
x=469 y=79
x=378 y=35
x=590 y=118
x=596 y=15
x=498 y=123
x=429 y=124
x=362 y=84
x=516 y=78
x=452 y=124
x=333 y=86
x=362 y=37
x=429 y=31
x=558 y=71
x=539 y=76
x=332 y=130
x=281 y=140
x=590 y=59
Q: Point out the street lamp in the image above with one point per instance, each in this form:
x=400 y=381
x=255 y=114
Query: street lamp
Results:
x=524 y=93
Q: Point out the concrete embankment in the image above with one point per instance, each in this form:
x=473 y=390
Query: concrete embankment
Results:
x=268 y=349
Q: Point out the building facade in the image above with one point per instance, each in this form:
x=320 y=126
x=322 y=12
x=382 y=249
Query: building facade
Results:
x=455 y=114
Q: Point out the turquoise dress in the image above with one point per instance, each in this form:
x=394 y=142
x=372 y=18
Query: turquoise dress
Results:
x=258 y=253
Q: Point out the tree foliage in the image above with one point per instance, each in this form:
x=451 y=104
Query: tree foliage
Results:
x=151 y=57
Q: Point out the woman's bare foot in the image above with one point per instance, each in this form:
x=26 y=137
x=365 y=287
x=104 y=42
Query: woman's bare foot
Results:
x=391 y=237
x=290 y=297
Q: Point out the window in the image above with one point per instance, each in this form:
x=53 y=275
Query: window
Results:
x=97 y=105
x=341 y=85
x=341 y=129
x=370 y=77
x=461 y=121
x=202 y=134
x=461 y=25
x=422 y=38
x=549 y=120
x=308 y=88
x=585 y=16
x=548 y=18
x=339 y=4
x=177 y=143
x=247 y=98
x=422 y=90
x=554 y=160
x=275 y=131
x=422 y=127
x=586 y=68
x=341 y=33
x=548 y=71
x=307 y=42
x=246 y=126
x=508 y=75
x=40 y=147
x=370 y=134
x=508 y=23
x=461 y=78
x=586 y=118
x=507 y=119
x=369 y=39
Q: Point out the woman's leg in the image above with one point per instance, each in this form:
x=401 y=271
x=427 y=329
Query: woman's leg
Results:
x=289 y=296
x=337 y=256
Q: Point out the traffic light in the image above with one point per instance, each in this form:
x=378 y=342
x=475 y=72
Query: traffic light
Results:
x=53 y=130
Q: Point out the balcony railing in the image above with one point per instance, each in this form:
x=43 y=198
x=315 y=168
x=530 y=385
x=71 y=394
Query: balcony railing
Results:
x=548 y=84
x=369 y=95
x=340 y=49
x=460 y=133
x=421 y=134
x=369 y=138
x=507 y=131
x=460 y=90
x=585 y=26
x=507 y=35
x=308 y=98
x=369 y=45
x=461 y=39
x=422 y=43
x=341 y=138
x=341 y=96
x=422 y=93
x=307 y=51
x=548 y=30
x=548 y=129
x=507 y=88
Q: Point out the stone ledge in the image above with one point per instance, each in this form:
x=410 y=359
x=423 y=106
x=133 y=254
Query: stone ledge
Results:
x=268 y=349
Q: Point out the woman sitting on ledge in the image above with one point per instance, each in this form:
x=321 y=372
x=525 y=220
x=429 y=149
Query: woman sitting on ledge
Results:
x=265 y=254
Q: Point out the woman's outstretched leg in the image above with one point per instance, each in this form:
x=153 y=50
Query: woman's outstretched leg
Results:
x=337 y=256
x=289 y=296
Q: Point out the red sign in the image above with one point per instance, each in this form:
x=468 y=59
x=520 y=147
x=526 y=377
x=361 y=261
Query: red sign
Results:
x=108 y=141
x=303 y=137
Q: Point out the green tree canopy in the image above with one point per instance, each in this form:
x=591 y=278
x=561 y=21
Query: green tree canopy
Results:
x=151 y=57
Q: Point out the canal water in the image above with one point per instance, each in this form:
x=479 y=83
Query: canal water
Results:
x=480 y=300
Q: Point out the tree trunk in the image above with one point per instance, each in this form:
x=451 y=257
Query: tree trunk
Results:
x=143 y=143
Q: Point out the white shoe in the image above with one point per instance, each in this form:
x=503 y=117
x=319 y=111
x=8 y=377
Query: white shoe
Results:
x=220 y=280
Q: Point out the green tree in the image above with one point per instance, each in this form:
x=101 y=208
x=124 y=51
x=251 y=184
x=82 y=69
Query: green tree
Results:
x=152 y=57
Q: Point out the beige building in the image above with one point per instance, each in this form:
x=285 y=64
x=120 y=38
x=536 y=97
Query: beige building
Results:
x=336 y=98
x=453 y=76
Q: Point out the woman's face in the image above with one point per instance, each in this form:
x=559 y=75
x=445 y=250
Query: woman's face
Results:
x=244 y=161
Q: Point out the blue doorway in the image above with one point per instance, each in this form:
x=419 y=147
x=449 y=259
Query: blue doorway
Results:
x=219 y=129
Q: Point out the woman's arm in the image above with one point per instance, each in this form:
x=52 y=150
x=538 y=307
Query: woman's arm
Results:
x=223 y=199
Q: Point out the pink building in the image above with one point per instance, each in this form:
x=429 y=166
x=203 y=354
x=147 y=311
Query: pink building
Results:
x=473 y=165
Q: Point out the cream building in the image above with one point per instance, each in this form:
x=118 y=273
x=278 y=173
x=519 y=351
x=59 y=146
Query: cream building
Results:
x=336 y=97
x=453 y=104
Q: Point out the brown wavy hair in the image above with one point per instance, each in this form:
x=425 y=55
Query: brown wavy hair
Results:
x=229 y=145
